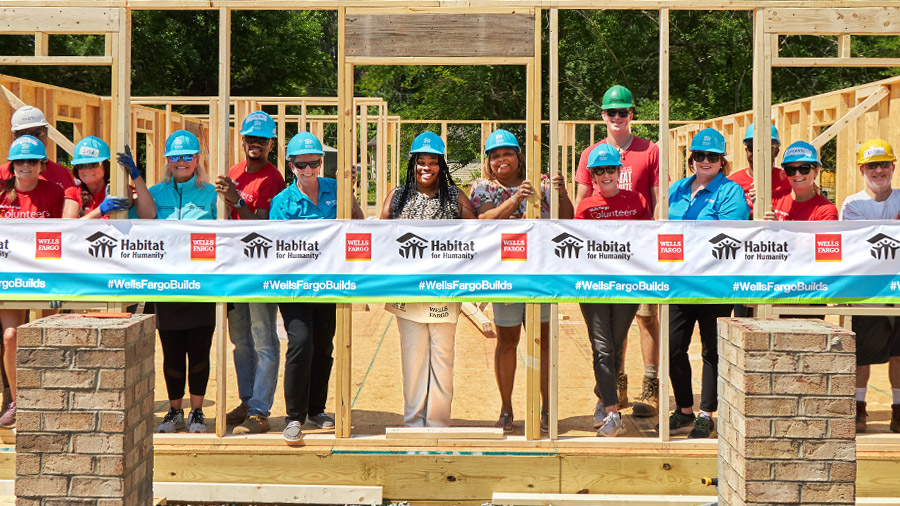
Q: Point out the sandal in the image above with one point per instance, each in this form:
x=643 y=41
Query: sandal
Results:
x=505 y=422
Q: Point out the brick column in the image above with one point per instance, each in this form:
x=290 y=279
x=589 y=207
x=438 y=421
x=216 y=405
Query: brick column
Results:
x=85 y=402
x=786 y=412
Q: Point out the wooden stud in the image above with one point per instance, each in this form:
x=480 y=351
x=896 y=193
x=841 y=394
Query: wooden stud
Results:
x=851 y=116
x=762 y=118
x=844 y=45
x=381 y=156
x=364 y=159
x=533 y=211
x=41 y=44
x=662 y=212
x=553 y=362
x=281 y=149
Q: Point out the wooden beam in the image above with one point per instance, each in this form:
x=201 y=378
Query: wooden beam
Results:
x=437 y=60
x=532 y=145
x=834 y=21
x=508 y=499
x=553 y=361
x=57 y=60
x=835 y=62
x=460 y=35
x=269 y=493
x=220 y=131
x=662 y=213
x=851 y=116
x=16 y=20
x=443 y=433
x=54 y=134
x=280 y=148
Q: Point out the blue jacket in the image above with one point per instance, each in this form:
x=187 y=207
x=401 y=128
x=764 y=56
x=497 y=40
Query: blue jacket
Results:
x=292 y=204
x=183 y=201
x=722 y=199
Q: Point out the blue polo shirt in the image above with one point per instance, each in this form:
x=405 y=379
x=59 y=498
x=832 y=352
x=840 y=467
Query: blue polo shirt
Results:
x=722 y=199
x=292 y=204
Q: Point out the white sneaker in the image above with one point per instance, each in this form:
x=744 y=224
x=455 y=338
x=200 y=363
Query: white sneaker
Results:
x=292 y=433
x=173 y=421
x=599 y=415
x=612 y=425
x=196 y=421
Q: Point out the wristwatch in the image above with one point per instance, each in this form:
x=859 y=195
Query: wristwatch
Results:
x=239 y=204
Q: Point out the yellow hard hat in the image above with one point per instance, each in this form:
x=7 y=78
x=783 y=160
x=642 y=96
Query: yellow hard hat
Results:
x=875 y=150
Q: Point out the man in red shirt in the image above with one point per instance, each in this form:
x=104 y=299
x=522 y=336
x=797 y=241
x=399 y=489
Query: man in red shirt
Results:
x=248 y=190
x=639 y=173
x=744 y=177
x=28 y=120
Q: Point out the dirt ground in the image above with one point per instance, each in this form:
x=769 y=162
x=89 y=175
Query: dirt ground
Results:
x=378 y=399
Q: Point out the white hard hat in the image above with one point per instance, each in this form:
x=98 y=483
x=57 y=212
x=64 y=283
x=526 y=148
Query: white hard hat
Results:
x=28 y=117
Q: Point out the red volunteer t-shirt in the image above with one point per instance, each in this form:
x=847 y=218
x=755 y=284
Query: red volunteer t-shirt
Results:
x=817 y=208
x=44 y=201
x=55 y=173
x=257 y=188
x=74 y=193
x=625 y=205
x=744 y=178
x=640 y=168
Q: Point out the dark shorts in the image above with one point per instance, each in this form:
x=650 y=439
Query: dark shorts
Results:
x=877 y=339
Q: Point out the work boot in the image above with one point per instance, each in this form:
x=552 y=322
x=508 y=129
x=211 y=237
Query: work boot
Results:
x=895 y=417
x=237 y=415
x=861 y=416
x=622 y=390
x=254 y=424
x=648 y=404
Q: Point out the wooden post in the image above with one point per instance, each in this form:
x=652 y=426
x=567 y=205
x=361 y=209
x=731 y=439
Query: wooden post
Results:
x=281 y=149
x=346 y=120
x=364 y=158
x=221 y=133
x=554 y=214
x=762 y=118
x=381 y=157
x=663 y=214
x=301 y=127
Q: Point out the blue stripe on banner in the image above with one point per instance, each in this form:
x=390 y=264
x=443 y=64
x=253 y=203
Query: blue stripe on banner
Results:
x=454 y=287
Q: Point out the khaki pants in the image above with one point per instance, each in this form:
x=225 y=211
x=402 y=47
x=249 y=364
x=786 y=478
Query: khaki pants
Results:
x=426 y=353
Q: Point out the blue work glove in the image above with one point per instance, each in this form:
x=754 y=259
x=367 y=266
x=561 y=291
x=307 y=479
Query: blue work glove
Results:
x=111 y=204
x=126 y=160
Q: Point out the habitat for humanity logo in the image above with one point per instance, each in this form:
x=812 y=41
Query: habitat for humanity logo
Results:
x=884 y=247
x=567 y=245
x=413 y=246
x=725 y=247
x=256 y=246
x=101 y=245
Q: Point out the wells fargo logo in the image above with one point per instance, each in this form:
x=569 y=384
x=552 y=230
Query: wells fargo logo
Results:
x=828 y=247
x=359 y=247
x=514 y=247
x=48 y=245
x=670 y=247
x=203 y=246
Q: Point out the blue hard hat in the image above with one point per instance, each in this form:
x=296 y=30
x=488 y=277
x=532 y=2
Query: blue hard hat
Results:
x=801 y=152
x=428 y=142
x=304 y=143
x=501 y=138
x=182 y=142
x=709 y=140
x=27 y=148
x=90 y=150
x=259 y=124
x=604 y=155
x=749 y=134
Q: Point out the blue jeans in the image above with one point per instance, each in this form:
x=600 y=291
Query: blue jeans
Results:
x=256 y=354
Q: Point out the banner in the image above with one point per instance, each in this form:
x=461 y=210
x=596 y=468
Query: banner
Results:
x=458 y=260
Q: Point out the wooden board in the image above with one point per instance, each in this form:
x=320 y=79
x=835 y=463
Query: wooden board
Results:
x=440 y=35
x=443 y=433
x=250 y=493
x=58 y=20
x=500 y=499
x=850 y=20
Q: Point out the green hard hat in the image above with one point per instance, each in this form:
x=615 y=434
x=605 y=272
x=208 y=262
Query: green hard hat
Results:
x=617 y=97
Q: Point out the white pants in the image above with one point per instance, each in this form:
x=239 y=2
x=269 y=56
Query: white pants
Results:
x=426 y=353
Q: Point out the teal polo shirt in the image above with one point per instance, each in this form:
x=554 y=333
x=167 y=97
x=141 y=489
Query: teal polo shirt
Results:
x=722 y=199
x=292 y=204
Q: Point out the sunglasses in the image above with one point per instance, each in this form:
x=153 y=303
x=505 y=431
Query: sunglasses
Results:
x=622 y=113
x=604 y=169
x=175 y=158
x=88 y=166
x=38 y=132
x=802 y=169
x=699 y=156
x=302 y=165
x=749 y=145
x=259 y=141
x=877 y=165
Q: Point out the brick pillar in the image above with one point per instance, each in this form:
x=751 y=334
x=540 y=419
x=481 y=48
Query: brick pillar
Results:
x=786 y=412
x=85 y=402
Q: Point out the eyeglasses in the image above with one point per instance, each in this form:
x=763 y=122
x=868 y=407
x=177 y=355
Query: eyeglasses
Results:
x=175 y=158
x=622 y=113
x=37 y=132
x=877 y=165
x=604 y=169
x=698 y=156
x=802 y=169
x=302 y=165
x=88 y=166
x=260 y=141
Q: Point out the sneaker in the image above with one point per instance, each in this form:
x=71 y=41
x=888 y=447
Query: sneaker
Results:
x=895 y=417
x=321 y=421
x=237 y=415
x=622 y=390
x=292 y=433
x=173 y=422
x=703 y=427
x=599 y=415
x=505 y=422
x=861 y=416
x=8 y=418
x=196 y=421
x=648 y=404
x=679 y=423
x=545 y=422
x=612 y=425
x=254 y=424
